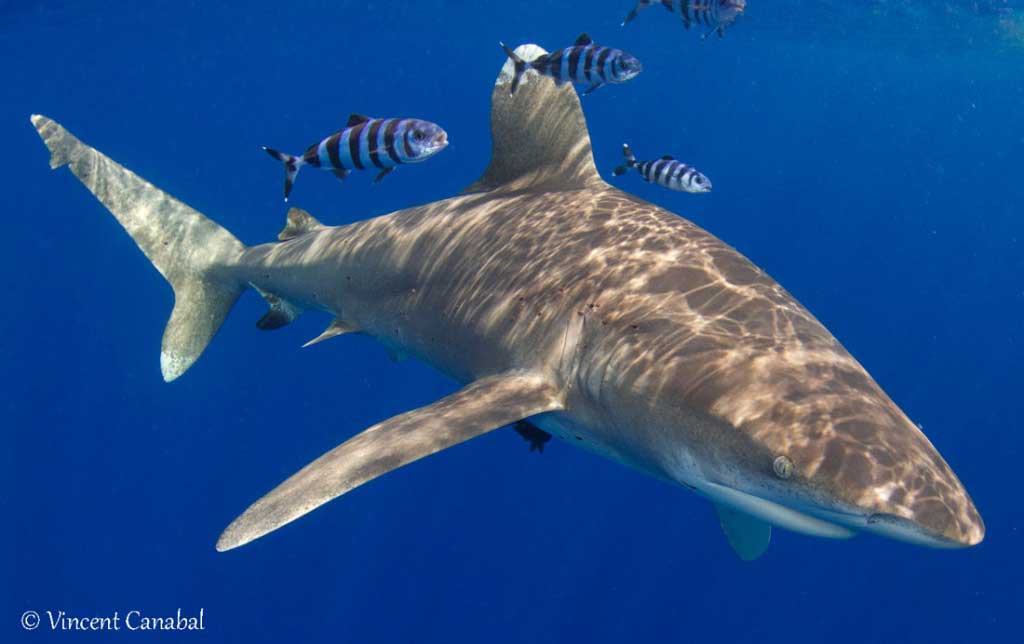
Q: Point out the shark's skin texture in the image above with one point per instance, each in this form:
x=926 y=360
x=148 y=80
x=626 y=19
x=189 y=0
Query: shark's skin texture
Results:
x=646 y=339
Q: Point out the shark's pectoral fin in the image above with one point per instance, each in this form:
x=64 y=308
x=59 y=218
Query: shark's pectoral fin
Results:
x=476 y=409
x=748 y=536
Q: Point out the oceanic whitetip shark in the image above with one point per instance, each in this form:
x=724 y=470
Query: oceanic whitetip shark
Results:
x=554 y=297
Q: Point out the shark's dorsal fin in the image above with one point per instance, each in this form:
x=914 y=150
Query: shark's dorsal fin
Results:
x=540 y=139
x=299 y=222
x=356 y=119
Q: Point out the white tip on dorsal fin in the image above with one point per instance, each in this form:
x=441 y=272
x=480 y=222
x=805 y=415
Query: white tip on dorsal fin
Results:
x=540 y=138
x=299 y=222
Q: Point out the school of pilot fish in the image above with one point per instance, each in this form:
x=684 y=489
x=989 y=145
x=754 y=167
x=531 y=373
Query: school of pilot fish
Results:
x=383 y=144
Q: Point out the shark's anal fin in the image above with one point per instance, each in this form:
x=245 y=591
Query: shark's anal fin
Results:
x=281 y=313
x=748 y=536
x=299 y=222
x=539 y=135
x=476 y=409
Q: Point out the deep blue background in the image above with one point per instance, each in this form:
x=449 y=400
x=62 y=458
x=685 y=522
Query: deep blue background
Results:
x=870 y=159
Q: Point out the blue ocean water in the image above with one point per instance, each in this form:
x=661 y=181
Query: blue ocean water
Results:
x=868 y=155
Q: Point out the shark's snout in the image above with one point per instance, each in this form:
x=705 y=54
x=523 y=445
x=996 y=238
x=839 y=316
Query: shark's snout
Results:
x=937 y=512
x=895 y=484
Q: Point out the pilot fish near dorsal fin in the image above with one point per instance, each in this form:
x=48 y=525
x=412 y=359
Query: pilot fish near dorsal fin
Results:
x=355 y=119
x=539 y=136
x=299 y=222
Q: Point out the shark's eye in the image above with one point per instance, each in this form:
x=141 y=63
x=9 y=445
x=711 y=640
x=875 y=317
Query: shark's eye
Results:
x=783 y=467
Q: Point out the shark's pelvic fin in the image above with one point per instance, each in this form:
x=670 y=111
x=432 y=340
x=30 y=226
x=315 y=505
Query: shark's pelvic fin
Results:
x=336 y=328
x=281 y=313
x=539 y=135
x=299 y=222
x=476 y=409
x=748 y=536
x=192 y=252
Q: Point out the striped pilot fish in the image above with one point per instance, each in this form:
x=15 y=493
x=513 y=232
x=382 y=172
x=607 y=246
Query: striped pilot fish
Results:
x=667 y=172
x=366 y=143
x=584 y=62
x=715 y=14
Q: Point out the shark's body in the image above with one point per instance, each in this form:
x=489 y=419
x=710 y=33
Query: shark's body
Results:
x=611 y=323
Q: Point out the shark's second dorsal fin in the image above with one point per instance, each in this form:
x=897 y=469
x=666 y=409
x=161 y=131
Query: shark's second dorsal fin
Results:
x=299 y=222
x=540 y=138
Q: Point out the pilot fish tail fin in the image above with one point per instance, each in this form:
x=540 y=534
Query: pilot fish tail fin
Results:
x=291 y=164
x=519 y=66
x=192 y=252
x=630 y=161
x=641 y=5
x=539 y=136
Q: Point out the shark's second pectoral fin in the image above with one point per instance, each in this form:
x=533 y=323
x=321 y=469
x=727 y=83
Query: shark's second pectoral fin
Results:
x=748 y=536
x=476 y=409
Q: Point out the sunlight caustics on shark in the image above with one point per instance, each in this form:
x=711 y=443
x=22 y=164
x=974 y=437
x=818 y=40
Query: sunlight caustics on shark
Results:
x=554 y=297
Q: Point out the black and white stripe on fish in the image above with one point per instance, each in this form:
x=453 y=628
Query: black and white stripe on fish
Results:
x=366 y=143
x=666 y=172
x=583 y=62
x=716 y=14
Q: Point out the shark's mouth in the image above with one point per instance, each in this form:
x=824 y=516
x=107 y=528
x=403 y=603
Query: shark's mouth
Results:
x=818 y=521
x=774 y=513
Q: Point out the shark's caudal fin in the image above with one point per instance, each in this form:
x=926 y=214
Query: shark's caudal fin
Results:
x=476 y=409
x=192 y=252
x=540 y=139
